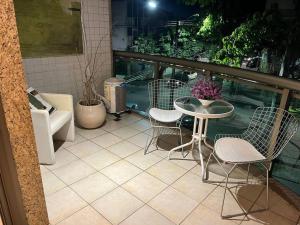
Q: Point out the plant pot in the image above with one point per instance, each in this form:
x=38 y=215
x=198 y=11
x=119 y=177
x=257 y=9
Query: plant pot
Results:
x=90 y=117
x=206 y=103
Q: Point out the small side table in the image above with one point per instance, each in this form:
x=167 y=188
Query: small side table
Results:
x=193 y=107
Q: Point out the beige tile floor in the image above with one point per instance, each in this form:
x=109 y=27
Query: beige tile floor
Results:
x=104 y=178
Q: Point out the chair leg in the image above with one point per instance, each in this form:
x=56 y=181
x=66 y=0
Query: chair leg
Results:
x=181 y=142
x=267 y=184
x=224 y=196
x=150 y=142
x=192 y=147
x=206 y=167
x=247 y=179
x=267 y=189
x=156 y=136
x=244 y=212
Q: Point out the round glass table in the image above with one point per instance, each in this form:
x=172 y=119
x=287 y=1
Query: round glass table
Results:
x=193 y=107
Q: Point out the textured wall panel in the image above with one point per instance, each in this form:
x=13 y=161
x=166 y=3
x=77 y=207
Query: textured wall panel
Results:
x=62 y=74
x=18 y=118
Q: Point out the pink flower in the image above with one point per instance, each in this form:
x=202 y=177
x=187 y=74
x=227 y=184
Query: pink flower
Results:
x=206 y=90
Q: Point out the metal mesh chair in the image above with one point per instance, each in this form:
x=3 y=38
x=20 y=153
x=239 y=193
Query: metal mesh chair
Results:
x=269 y=130
x=164 y=118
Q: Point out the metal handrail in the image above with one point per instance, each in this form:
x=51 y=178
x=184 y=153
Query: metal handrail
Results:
x=273 y=82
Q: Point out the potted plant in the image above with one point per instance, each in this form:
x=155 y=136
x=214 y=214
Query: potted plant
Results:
x=90 y=110
x=206 y=91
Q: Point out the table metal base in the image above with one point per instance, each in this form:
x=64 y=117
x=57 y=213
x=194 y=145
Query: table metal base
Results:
x=199 y=135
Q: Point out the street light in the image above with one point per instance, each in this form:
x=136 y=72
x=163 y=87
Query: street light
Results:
x=152 y=4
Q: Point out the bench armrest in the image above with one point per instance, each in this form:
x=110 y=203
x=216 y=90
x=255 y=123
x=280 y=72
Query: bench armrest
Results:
x=61 y=102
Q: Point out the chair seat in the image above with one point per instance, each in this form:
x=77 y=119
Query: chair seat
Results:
x=58 y=119
x=236 y=150
x=165 y=116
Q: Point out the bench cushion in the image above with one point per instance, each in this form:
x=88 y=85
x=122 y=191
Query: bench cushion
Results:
x=58 y=119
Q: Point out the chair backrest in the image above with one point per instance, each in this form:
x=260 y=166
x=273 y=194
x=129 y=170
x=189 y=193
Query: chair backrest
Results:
x=270 y=129
x=163 y=92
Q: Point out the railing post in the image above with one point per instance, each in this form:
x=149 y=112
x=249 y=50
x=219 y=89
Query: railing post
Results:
x=156 y=76
x=156 y=70
x=283 y=105
x=128 y=65
x=284 y=98
x=207 y=75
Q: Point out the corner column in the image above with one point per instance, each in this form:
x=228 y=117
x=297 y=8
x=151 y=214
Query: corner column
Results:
x=19 y=143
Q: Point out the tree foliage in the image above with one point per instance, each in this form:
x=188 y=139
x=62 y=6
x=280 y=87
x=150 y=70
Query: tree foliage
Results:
x=229 y=31
x=188 y=46
x=231 y=12
x=210 y=29
x=251 y=37
x=146 y=45
x=242 y=42
x=181 y=44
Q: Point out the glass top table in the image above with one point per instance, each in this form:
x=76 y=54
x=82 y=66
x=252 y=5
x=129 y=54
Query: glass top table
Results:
x=193 y=107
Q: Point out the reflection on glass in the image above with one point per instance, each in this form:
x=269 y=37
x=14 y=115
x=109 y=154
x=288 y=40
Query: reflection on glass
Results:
x=137 y=75
x=286 y=168
x=244 y=97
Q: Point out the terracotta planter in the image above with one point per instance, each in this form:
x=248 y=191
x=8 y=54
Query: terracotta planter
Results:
x=90 y=116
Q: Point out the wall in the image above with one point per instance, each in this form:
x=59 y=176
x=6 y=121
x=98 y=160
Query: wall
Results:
x=62 y=74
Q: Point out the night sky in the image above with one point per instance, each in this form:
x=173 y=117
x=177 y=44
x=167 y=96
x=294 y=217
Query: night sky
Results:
x=173 y=8
x=181 y=10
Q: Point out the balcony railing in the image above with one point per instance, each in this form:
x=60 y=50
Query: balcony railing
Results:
x=245 y=89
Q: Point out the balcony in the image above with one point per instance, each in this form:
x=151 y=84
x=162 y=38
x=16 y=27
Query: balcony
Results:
x=103 y=177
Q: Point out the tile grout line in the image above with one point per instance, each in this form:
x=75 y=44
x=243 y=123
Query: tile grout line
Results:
x=88 y=204
x=120 y=186
x=78 y=158
x=142 y=171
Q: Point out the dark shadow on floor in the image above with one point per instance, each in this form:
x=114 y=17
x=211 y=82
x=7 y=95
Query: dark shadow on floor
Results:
x=168 y=141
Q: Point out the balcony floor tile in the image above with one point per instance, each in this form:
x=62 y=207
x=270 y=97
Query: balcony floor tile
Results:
x=105 y=178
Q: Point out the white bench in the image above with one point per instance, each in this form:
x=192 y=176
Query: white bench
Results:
x=58 y=125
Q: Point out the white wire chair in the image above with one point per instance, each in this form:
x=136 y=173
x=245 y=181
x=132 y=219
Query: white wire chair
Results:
x=269 y=130
x=164 y=118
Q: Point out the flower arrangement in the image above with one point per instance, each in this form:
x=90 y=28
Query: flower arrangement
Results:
x=206 y=90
